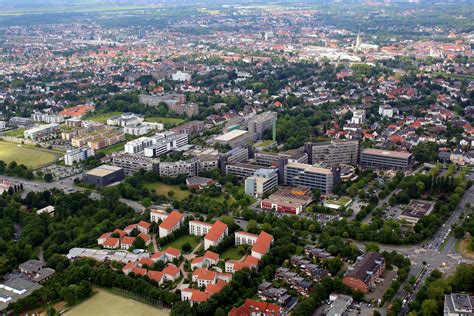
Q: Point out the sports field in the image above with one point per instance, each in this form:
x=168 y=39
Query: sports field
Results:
x=105 y=303
x=30 y=156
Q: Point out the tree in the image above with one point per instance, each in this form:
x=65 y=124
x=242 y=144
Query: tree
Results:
x=139 y=243
x=371 y=247
x=48 y=177
x=186 y=247
x=429 y=308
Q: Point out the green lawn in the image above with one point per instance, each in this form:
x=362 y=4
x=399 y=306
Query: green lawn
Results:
x=102 y=118
x=19 y=132
x=30 y=156
x=177 y=243
x=165 y=120
x=231 y=253
x=113 y=149
x=163 y=189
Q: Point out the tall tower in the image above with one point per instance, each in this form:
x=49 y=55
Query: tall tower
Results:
x=358 y=41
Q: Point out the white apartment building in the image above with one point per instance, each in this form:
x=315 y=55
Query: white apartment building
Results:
x=77 y=155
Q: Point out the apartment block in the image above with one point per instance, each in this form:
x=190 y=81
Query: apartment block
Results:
x=333 y=152
x=263 y=180
x=132 y=163
x=73 y=156
x=309 y=176
x=258 y=124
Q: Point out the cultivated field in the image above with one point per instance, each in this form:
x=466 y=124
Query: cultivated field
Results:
x=105 y=303
x=30 y=156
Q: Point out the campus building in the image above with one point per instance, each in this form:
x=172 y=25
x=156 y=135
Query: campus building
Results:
x=333 y=152
x=260 y=123
x=43 y=132
x=263 y=180
x=234 y=138
x=213 y=233
x=372 y=158
x=77 y=155
x=165 y=143
x=304 y=175
x=103 y=175
x=132 y=163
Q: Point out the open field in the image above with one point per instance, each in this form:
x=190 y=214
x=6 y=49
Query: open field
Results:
x=30 y=156
x=231 y=253
x=163 y=189
x=74 y=9
x=113 y=149
x=105 y=303
x=102 y=118
x=464 y=248
x=177 y=243
x=19 y=132
x=165 y=120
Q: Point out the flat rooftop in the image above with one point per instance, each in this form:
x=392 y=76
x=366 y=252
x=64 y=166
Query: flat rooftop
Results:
x=386 y=153
x=418 y=208
x=230 y=135
x=309 y=168
x=102 y=171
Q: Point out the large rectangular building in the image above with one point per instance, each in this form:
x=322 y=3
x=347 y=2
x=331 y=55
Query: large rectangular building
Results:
x=258 y=124
x=132 y=163
x=334 y=152
x=77 y=155
x=263 y=180
x=372 y=158
x=365 y=272
x=235 y=138
x=309 y=176
x=166 y=144
x=43 y=132
x=103 y=175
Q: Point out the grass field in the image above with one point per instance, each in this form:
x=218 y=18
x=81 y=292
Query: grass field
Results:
x=102 y=118
x=19 y=132
x=30 y=156
x=105 y=303
x=464 y=248
x=112 y=149
x=177 y=243
x=163 y=189
x=231 y=253
x=165 y=120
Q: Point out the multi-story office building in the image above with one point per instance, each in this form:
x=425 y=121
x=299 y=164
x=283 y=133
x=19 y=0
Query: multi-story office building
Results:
x=167 y=143
x=358 y=117
x=171 y=99
x=309 y=176
x=132 y=163
x=235 y=138
x=333 y=152
x=242 y=170
x=258 y=124
x=263 y=180
x=183 y=167
x=190 y=128
x=77 y=155
x=457 y=304
x=20 y=122
x=372 y=158
x=138 y=145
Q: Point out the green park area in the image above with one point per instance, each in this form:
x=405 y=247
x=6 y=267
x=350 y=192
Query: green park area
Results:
x=179 y=242
x=165 y=120
x=106 y=303
x=102 y=118
x=160 y=188
x=465 y=248
x=30 y=156
x=19 y=132
x=342 y=201
x=231 y=253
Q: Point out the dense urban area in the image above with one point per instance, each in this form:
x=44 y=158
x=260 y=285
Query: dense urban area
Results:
x=236 y=157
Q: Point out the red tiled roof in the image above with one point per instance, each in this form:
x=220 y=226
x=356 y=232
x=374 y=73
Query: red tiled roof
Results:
x=205 y=274
x=127 y=240
x=173 y=252
x=120 y=232
x=129 y=266
x=146 y=261
x=216 y=288
x=198 y=296
x=145 y=237
x=130 y=227
x=211 y=255
x=171 y=269
x=251 y=306
x=144 y=224
x=112 y=242
x=171 y=221
x=155 y=275
x=139 y=271
x=157 y=255
x=216 y=231
x=105 y=235
x=263 y=243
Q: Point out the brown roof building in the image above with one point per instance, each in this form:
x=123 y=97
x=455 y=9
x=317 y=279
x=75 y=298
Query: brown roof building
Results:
x=365 y=272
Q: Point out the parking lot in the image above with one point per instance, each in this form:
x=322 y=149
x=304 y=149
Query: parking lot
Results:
x=60 y=172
